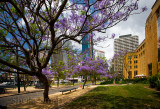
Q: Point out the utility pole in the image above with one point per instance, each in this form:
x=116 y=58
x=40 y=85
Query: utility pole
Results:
x=18 y=80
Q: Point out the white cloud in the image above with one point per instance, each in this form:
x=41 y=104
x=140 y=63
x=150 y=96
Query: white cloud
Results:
x=135 y=25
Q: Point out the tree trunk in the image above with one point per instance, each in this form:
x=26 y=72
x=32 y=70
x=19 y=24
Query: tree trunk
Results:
x=95 y=79
x=57 y=82
x=84 y=82
x=44 y=80
x=46 y=90
x=73 y=80
x=92 y=81
x=24 y=85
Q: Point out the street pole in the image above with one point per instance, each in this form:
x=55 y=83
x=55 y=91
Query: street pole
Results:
x=18 y=80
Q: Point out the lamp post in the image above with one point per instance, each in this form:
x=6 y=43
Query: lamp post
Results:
x=18 y=80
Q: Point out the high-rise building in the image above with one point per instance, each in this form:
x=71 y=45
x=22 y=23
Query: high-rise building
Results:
x=87 y=45
x=57 y=54
x=122 y=45
x=68 y=45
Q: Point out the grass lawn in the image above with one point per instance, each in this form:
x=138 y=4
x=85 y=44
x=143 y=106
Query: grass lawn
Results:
x=120 y=97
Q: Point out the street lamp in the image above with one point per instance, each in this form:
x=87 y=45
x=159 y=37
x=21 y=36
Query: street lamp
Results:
x=18 y=80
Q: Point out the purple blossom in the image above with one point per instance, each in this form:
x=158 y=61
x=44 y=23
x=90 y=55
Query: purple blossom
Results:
x=144 y=9
x=56 y=25
x=113 y=35
x=99 y=39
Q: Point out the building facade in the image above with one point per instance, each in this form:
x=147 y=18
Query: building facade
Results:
x=152 y=37
x=67 y=44
x=87 y=45
x=134 y=64
x=148 y=51
x=130 y=65
x=57 y=54
x=141 y=53
x=122 y=45
x=100 y=54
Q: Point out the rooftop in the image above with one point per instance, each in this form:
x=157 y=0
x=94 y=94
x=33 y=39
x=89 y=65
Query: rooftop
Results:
x=128 y=35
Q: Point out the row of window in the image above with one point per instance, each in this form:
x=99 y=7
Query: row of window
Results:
x=130 y=67
x=130 y=74
x=141 y=48
x=142 y=53
x=130 y=62
x=127 y=40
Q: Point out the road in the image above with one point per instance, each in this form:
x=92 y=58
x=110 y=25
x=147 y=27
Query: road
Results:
x=4 y=101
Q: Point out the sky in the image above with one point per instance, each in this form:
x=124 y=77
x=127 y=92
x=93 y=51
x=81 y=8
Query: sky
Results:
x=135 y=25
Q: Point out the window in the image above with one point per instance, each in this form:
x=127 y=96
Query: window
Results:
x=135 y=66
x=158 y=27
x=135 y=56
x=129 y=67
x=135 y=73
x=129 y=75
x=135 y=61
x=129 y=57
x=150 y=69
x=130 y=62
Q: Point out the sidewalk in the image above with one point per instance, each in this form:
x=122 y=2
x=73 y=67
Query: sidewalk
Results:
x=57 y=100
x=11 y=91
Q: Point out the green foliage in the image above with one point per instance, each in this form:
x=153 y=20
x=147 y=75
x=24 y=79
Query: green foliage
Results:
x=110 y=81
x=83 y=12
x=153 y=81
x=158 y=84
x=126 y=81
x=137 y=80
x=103 y=78
x=3 y=32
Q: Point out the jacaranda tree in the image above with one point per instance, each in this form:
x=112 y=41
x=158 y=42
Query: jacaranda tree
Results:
x=35 y=27
x=91 y=67
x=58 y=71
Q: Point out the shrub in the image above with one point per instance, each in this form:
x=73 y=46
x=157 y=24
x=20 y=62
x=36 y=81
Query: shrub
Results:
x=134 y=81
x=153 y=81
x=158 y=84
x=107 y=82
x=121 y=82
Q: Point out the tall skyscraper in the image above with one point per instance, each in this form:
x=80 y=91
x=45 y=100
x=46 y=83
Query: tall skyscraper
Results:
x=87 y=45
x=68 y=45
x=58 y=54
x=122 y=45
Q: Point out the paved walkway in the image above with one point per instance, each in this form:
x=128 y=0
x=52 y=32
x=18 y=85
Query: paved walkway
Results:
x=22 y=97
x=14 y=91
x=58 y=100
x=25 y=97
